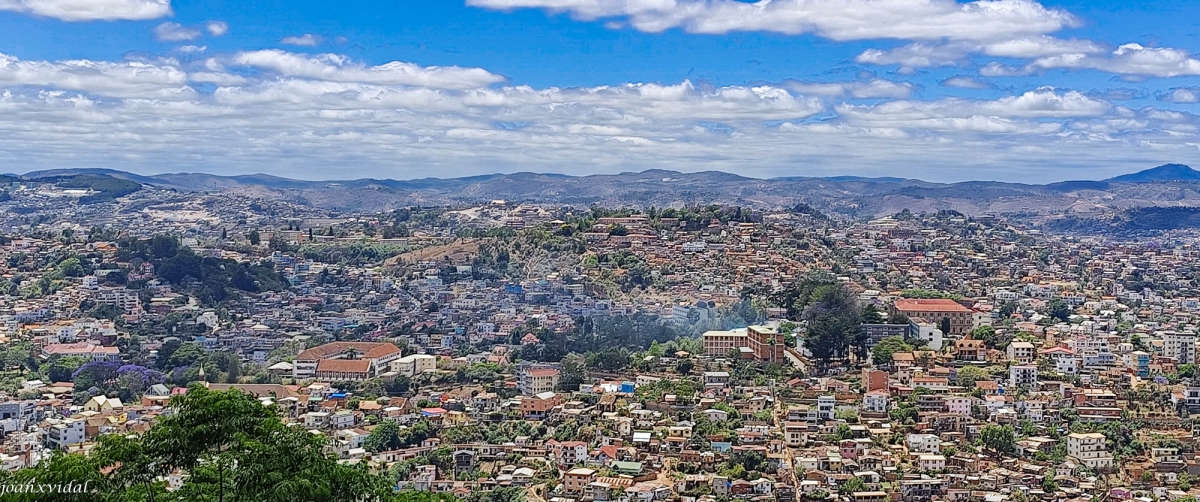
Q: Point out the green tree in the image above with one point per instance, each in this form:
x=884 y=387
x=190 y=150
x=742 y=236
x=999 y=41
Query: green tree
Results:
x=834 y=322
x=999 y=438
x=684 y=367
x=1186 y=370
x=1048 y=483
x=872 y=315
x=385 y=436
x=1059 y=309
x=852 y=485
x=228 y=445
x=843 y=432
x=968 y=375
x=985 y=333
x=881 y=353
x=71 y=267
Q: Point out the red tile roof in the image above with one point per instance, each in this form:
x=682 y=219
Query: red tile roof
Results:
x=344 y=365
x=929 y=305
x=365 y=350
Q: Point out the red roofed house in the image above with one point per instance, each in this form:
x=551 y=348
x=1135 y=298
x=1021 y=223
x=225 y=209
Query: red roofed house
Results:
x=345 y=361
x=970 y=349
x=83 y=349
x=936 y=309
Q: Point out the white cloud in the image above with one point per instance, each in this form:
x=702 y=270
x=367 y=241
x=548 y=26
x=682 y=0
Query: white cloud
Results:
x=326 y=116
x=880 y=88
x=1009 y=115
x=1047 y=102
x=175 y=32
x=965 y=82
x=951 y=53
x=127 y=79
x=191 y=49
x=217 y=28
x=1129 y=59
x=841 y=20
x=863 y=89
x=1041 y=46
x=305 y=40
x=1182 y=95
x=942 y=32
x=917 y=55
x=90 y=10
x=997 y=69
x=337 y=68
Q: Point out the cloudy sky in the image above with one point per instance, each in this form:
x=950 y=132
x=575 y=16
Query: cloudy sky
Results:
x=942 y=90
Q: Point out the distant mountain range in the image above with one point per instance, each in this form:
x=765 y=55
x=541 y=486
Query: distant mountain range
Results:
x=1166 y=172
x=1170 y=185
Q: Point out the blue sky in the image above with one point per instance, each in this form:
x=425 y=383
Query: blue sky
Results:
x=1013 y=90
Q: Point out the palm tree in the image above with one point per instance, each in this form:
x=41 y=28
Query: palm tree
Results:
x=351 y=353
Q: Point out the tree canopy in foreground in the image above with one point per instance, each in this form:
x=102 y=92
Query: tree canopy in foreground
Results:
x=227 y=445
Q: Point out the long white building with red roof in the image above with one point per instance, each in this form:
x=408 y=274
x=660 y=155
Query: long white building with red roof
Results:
x=345 y=361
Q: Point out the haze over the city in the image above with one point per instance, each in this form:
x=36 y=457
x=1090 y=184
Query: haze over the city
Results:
x=1011 y=90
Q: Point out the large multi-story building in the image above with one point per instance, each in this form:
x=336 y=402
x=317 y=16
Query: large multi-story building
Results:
x=125 y=299
x=1021 y=352
x=720 y=343
x=1180 y=346
x=1023 y=376
x=759 y=343
x=935 y=310
x=1089 y=449
x=766 y=344
x=345 y=361
x=534 y=378
x=874 y=333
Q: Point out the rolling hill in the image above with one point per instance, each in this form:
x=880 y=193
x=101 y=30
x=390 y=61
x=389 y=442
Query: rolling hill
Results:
x=848 y=196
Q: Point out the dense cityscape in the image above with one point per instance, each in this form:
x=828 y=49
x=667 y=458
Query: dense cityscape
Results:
x=520 y=351
x=599 y=251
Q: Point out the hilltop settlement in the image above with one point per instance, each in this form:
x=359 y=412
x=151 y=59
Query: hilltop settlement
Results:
x=519 y=351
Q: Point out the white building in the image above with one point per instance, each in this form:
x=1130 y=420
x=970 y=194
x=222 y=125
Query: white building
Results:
x=1022 y=352
x=343 y=419
x=924 y=443
x=959 y=405
x=414 y=364
x=1180 y=346
x=931 y=333
x=125 y=299
x=875 y=401
x=825 y=407
x=535 y=379
x=1089 y=449
x=208 y=318
x=1023 y=375
x=931 y=462
x=64 y=434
